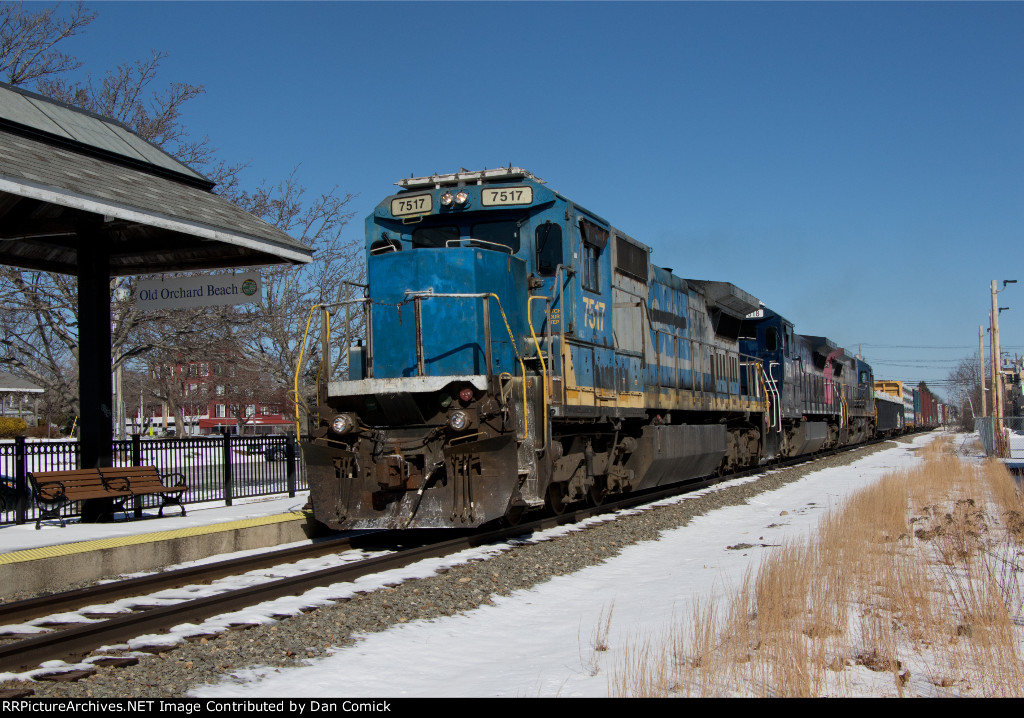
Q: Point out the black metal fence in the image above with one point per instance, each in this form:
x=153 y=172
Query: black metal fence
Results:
x=215 y=468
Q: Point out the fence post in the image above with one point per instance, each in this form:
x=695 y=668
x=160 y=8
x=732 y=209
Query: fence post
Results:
x=227 y=466
x=136 y=449
x=289 y=457
x=20 y=480
x=136 y=458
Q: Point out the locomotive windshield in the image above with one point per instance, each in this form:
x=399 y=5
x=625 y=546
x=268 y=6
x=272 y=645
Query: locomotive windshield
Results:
x=433 y=237
x=501 y=232
x=505 y=232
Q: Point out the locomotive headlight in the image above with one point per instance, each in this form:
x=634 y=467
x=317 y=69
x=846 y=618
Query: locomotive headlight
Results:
x=460 y=420
x=461 y=198
x=343 y=424
x=447 y=198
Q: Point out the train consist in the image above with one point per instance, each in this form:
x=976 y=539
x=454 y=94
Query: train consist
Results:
x=522 y=353
x=914 y=408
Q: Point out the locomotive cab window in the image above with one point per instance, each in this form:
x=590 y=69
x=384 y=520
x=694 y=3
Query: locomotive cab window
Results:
x=591 y=280
x=433 y=237
x=549 y=248
x=505 y=232
x=771 y=339
x=594 y=240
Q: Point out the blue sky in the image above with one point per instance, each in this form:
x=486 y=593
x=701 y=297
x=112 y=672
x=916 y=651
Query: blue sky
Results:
x=856 y=166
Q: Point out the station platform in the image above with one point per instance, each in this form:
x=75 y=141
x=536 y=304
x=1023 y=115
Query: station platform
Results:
x=55 y=558
x=1015 y=466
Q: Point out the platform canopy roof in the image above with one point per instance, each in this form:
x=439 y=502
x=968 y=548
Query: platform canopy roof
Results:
x=70 y=177
x=9 y=383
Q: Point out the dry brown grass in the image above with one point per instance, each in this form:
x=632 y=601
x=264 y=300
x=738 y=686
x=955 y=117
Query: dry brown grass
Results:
x=911 y=587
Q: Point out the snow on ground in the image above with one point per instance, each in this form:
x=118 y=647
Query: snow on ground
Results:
x=540 y=642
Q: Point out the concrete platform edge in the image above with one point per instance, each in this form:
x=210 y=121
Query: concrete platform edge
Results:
x=57 y=568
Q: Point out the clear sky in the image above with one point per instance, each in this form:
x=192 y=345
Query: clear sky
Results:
x=859 y=167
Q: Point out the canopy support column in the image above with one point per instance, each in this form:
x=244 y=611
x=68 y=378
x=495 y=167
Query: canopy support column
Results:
x=95 y=386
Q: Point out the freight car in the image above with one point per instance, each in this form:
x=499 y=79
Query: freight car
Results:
x=521 y=352
x=889 y=410
x=928 y=408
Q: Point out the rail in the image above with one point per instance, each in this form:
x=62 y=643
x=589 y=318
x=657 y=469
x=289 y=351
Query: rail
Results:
x=773 y=410
x=498 y=245
x=543 y=365
x=417 y=297
x=300 y=365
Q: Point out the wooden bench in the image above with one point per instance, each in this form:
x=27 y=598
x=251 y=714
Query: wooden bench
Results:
x=147 y=481
x=53 y=490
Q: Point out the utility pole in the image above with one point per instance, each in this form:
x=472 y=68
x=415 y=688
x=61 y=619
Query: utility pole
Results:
x=997 y=374
x=981 y=358
x=997 y=407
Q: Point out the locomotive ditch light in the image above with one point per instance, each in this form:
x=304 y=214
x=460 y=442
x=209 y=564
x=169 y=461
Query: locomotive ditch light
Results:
x=460 y=420
x=344 y=424
x=447 y=198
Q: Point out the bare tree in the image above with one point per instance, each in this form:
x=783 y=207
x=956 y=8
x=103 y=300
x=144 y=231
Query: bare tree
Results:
x=40 y=311
x=28 y=41
x=965 y=387
x=156 y=116
x=38 y=334
x=277 y=329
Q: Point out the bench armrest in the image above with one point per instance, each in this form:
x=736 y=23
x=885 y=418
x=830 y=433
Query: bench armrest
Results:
x=49 y=492
x=173 y=479
x=118 y=483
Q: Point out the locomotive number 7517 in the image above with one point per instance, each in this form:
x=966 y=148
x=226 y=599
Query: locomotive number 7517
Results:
x=405 y=206
x=505 y=196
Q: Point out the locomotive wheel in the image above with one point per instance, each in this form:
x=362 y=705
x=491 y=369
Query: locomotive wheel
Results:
x=597 y=492
x=557 y=498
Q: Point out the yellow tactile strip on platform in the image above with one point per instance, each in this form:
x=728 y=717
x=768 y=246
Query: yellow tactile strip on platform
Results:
x=69 y=549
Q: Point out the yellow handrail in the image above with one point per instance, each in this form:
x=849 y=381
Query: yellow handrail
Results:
x=298 y=366
x=543 y=364
x=309 y=321
x=302 y=352
x=522 y=366
x=764 y=388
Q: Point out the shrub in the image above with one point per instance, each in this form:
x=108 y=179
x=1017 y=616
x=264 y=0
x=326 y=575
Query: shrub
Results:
x=11 y=427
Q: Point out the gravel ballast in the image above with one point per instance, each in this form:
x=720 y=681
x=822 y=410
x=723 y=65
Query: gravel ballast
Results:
x=460 y=588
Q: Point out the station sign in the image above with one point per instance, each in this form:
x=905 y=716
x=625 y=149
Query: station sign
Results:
x=213 y=290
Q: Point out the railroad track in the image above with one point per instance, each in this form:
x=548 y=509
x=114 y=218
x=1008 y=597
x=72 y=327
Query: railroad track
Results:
x=76 y=641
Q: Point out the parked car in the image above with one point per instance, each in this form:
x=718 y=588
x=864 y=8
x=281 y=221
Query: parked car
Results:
x=276 y=453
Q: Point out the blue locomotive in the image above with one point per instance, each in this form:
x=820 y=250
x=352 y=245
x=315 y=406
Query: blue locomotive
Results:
x=521 y=352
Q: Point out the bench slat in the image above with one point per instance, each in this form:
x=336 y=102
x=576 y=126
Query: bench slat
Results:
x=56 y=489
